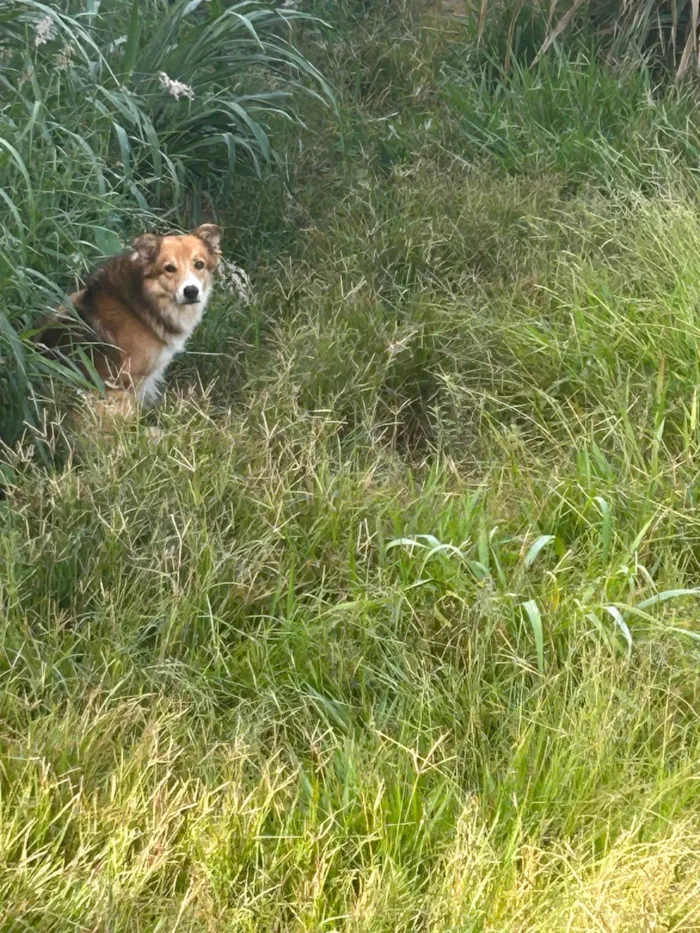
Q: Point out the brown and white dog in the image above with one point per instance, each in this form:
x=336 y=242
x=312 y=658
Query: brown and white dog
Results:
x=138 y=311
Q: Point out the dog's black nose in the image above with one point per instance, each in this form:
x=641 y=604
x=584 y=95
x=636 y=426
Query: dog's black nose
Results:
x=191 y=292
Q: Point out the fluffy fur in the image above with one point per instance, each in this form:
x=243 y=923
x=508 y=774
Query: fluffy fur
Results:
x=139 y=310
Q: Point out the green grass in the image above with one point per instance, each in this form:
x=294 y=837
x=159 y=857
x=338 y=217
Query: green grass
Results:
x=396 y=628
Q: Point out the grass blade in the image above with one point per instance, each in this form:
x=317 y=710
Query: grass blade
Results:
x=532 y=611
x=616 y=615
x=133 y=37
x=535 y=549
x=666 y=595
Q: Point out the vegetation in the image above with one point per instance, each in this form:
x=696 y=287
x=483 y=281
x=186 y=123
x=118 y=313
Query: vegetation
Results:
x=117 y=116
x=396 y=627
x=655 y=31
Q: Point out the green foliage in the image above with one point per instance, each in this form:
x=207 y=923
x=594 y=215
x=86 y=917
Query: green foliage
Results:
x=661 y=32
x=118 y=117
x=572 y=116
x=395 y=627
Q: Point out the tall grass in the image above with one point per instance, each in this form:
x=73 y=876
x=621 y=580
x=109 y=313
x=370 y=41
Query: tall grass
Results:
x=396 y=627
x=590 y=124
x=119 y=116
x=664 y=32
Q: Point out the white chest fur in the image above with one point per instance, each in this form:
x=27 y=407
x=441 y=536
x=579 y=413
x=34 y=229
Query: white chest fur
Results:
x=149 y=388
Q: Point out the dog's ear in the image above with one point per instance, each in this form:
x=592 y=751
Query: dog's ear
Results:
x=211 y=234
x=146 y=247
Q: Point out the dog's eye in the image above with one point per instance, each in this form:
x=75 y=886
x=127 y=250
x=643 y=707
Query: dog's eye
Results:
x=170 y=268
x=199 y=264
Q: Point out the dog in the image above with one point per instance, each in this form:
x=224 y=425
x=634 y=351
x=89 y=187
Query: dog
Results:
x=137 y=312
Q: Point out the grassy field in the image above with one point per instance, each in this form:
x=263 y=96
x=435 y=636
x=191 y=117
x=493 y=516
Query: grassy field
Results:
x=396 y=628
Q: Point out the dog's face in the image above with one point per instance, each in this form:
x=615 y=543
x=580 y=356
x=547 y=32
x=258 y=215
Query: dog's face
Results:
x=179 y=270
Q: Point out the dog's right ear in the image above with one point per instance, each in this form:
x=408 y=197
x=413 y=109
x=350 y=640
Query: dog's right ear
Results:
x=145 y=247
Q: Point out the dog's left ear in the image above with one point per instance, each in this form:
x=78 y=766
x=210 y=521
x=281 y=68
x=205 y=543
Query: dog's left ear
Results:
x=211 y=234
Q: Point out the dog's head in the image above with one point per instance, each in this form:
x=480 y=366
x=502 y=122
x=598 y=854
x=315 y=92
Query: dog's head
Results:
x=179 y=270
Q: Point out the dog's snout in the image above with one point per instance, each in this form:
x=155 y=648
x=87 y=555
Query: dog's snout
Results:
x=191 y=292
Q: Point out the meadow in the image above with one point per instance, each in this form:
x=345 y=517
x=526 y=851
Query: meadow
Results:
x=396 y=627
